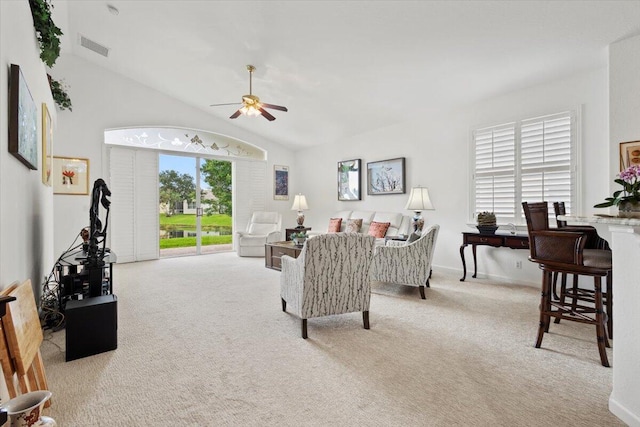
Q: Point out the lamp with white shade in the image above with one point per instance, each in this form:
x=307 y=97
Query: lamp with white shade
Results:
x=300 y=204
x=419 y=201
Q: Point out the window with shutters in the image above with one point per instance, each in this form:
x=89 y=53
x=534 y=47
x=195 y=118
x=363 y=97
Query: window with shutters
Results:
x=529 y=160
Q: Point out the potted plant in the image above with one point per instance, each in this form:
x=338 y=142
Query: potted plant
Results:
x=486 y=222
x=299 y=238
x=628 y=199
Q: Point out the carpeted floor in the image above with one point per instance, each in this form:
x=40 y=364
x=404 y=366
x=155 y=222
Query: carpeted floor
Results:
x=202 y=341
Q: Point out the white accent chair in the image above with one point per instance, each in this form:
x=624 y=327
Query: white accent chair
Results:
x=406 y=263
x=264 y=227
x=330 y=276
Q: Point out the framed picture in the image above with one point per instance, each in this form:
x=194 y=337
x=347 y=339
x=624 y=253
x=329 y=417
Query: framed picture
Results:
x=281 y=182
x=349 y=180
x=629 y=154
x=23 y=120
x=70 y=175
x=386 y=177
x=47 y=140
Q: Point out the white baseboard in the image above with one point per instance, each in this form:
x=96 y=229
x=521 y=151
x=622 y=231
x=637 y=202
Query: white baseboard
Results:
x=495 y=278
x=628 y=417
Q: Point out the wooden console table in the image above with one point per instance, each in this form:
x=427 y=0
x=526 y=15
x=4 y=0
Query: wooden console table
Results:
x=513 y=241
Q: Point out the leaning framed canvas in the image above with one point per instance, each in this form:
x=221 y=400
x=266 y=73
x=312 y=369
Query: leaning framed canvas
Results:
x=70 y=175
x=23 y=120
x=386 y=177
x=349 y=180
x=47 y=140
x=629 y=154
x=281 y=182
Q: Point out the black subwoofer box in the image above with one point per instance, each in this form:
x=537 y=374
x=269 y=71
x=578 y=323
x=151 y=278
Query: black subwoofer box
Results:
x=92 y=326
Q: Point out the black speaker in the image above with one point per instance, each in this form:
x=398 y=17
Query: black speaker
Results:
x=92 y=326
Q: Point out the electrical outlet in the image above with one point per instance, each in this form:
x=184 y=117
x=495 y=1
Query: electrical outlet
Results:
x=519 y=265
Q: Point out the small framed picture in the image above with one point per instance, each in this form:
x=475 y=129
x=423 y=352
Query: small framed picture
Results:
x=386 y=177
x=281 y=182
x=349 y=180
x=47 y=140
x=629 y=154
x=70 y=175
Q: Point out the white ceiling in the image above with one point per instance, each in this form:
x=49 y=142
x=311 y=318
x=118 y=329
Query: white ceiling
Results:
x=344 y=68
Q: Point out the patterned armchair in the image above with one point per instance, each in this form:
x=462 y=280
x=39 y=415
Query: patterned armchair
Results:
x=406 y=264
x=331 y=276
x=264 y=227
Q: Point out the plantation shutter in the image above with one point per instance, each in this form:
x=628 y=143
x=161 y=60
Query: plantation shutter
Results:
x=134 y=227
x=495 y=171
x=547 y=156
x=531 y=160
x=250 y=186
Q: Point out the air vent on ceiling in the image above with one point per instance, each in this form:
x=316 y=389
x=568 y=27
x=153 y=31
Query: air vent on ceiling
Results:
x=96 y=47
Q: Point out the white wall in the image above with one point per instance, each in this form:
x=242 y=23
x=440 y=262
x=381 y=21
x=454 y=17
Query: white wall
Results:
x=103 y=99
x=26 y=204
x=437 y=149
x=624 y=111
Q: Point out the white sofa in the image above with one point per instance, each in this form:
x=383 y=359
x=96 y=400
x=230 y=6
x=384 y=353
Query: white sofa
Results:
x=399 y=224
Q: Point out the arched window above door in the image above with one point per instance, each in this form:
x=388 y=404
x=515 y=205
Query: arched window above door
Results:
x=183 y=140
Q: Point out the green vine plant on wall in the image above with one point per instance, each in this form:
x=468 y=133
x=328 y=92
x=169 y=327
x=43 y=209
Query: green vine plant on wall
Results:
x=59 y=94
x=48 y=33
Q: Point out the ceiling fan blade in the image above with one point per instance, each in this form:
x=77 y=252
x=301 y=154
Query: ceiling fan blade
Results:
x=220 y=105
x=235 y=115
x=275 y=107
x=266 y=114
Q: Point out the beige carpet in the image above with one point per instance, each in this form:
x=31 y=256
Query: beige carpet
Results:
x=202 y=341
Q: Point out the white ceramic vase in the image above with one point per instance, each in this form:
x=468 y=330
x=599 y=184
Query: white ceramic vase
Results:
x=26 y=409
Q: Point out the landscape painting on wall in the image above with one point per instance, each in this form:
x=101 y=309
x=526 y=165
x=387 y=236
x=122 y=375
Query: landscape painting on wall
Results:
x=70 y=176
x=281 y=182
x=386 y=177
x=23 y=120
x=349 y=180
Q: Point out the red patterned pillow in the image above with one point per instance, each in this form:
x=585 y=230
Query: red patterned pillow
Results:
x=378 y=229
x=334 y=225
x=353 y=225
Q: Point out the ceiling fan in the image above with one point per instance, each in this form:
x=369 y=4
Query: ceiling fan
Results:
x=251 y=105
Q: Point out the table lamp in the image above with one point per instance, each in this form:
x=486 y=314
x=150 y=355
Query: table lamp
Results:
x=300 y=204
x=419 y=201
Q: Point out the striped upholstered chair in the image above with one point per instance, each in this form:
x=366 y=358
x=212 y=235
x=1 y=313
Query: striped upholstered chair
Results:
x=407 y=264
x=330 y=276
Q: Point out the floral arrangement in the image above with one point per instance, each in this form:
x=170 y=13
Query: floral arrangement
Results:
x=299 y=235
x=629 y=179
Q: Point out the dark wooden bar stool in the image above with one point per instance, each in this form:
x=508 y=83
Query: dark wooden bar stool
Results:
x=564 y=252
x=594 y=241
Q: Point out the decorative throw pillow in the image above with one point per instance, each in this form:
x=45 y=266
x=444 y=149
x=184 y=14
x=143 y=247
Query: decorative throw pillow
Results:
x=378 y=229
x=353 y=225
x=334 y=225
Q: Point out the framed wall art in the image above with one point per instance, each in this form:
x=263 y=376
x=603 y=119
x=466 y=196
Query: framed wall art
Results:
x=23 y=120
x=386 y=177
x=349 y=180
x=47 y=141
x=281 y=182
x=629 y=154
x=70 y=175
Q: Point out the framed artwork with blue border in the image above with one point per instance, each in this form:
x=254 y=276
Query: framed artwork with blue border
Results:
x=23 y=120
x=386 y=177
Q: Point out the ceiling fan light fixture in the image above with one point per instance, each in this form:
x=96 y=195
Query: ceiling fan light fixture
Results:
x=250 y=111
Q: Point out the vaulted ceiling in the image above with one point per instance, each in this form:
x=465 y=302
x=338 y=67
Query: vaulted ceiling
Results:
x=344 y=68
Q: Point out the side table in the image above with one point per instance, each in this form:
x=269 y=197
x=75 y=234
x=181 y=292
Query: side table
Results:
x=288 y=231
x=513 y=241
